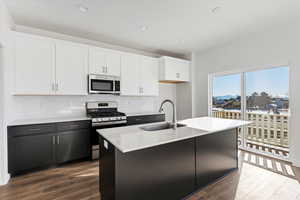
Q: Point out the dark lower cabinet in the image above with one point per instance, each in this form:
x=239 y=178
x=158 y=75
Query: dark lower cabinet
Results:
x=165 y=172
x=170 y=171
x=72 y=145
x=216 y=156
x=34 y=147
x=144 y=119
x=29 y=152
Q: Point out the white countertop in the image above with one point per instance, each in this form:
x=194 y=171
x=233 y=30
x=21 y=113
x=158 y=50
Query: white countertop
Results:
x=46 y=120
x=131 y=138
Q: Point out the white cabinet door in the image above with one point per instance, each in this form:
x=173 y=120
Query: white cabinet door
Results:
x=113 y=63
x=34 y=65
x=171 y=68
x=174 y=70
x=104 y=61
x=129 y=74
x=148 y=76
x=71 y=68
x=183 y=68
x=97 y=60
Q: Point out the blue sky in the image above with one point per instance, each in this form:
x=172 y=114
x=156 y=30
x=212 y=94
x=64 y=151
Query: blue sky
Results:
x=274 y=81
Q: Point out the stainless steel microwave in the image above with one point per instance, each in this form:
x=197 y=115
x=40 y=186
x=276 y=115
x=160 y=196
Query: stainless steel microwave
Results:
x=102 y=84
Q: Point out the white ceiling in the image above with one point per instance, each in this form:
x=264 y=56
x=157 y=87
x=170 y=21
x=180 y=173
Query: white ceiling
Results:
x=178 y=26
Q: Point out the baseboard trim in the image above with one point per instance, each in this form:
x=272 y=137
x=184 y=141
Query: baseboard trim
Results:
x=5 y=180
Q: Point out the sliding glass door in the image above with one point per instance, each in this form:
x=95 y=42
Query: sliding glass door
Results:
x=260 y=96
x=226 y=98
x=267 y=105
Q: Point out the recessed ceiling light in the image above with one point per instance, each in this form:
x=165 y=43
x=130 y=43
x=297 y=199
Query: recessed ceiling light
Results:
x=144 y=28
x=83 y=8
x=216 y=9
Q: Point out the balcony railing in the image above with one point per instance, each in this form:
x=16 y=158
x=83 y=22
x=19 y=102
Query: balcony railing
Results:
x=268 y=128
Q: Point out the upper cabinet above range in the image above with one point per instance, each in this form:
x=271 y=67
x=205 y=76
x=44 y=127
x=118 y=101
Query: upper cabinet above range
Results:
x=104 y=61
x=174 y=70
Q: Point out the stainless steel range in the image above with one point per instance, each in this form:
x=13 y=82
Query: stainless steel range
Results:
x=103 y=115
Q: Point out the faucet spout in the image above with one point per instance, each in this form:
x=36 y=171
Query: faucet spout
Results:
x=174 y=121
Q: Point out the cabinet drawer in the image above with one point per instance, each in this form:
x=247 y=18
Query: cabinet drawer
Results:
x=30 y=129
x=143 y=119
x=75 y=125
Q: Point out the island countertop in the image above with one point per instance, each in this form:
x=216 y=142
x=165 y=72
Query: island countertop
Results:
x=132 y=138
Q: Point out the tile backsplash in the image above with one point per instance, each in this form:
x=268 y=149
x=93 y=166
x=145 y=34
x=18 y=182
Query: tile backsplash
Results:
x=28 y=107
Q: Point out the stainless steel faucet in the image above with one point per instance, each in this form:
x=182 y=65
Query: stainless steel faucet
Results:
x=174 y=111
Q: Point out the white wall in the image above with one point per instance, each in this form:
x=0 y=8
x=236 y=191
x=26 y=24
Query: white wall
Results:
x=273 y=47
x=5 y=24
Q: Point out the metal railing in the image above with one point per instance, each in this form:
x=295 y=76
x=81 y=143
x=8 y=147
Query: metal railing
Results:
x=268 y=128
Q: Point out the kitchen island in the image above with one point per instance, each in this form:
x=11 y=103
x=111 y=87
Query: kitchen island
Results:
x=141 y=162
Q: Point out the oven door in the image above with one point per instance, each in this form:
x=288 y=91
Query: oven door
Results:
x=104 y=86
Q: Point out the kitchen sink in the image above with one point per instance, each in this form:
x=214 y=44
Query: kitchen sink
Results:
x=162 y=126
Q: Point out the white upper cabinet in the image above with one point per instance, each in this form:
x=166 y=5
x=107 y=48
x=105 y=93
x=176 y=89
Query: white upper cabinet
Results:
x=71 y=68
x=148 y=76
x=139 y=75
x=174 y=70
x=34 y=65
x=44 y=66
x=105 y=62
x=113 y=62
x=129 y=74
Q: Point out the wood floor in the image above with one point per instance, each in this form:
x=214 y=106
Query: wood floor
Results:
x=80 y=181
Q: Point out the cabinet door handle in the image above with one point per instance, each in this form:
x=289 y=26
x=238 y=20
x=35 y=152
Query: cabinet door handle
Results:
x=58 y=139
x=56 y=86
x=106 y=69
x=53 y=140
x=177 y=75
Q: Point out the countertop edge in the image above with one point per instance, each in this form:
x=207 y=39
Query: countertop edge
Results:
x=206 y=132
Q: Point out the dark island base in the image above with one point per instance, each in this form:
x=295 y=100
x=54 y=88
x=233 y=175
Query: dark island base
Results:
x=168 y=172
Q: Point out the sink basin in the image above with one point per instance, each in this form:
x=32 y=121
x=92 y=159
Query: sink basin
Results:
x=162 y=126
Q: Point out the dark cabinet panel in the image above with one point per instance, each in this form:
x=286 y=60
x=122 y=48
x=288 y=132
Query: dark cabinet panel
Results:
x=30 y=152
x=30 y=129
x=75 y=125
x=32 y=147
x=216 y=155
x=143 y=119
x=165 y=172
x=72 y=145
